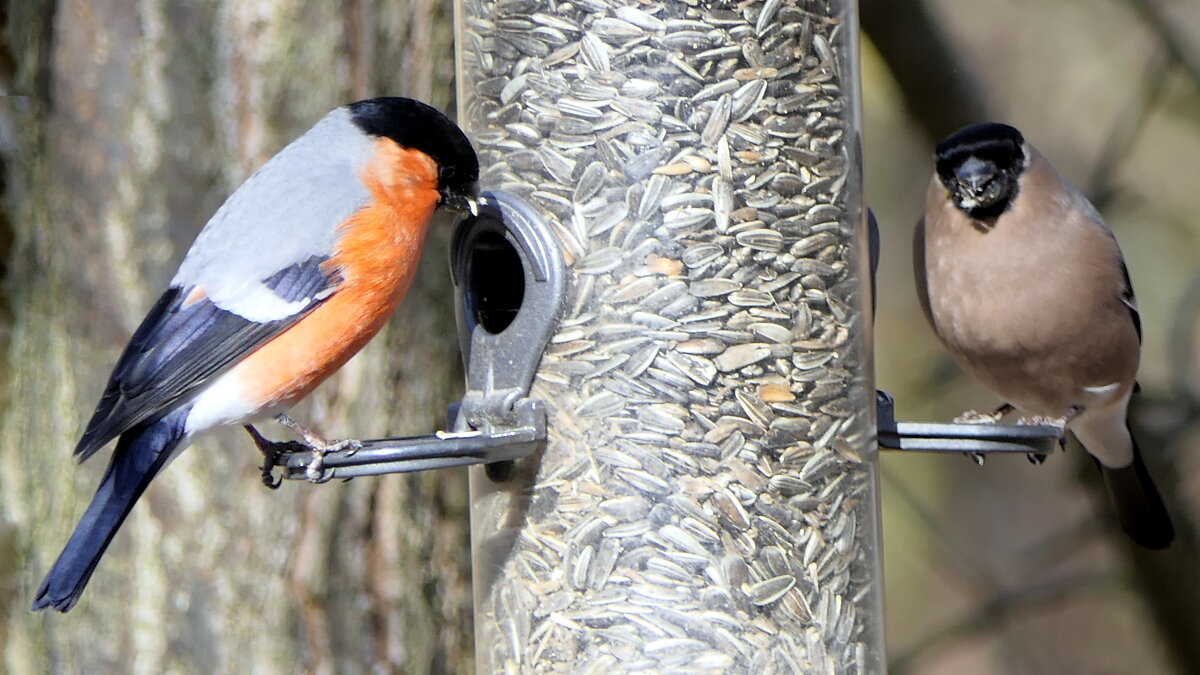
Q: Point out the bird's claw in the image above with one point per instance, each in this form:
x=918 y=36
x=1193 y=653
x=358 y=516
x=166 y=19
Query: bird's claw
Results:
x=974 y=417
x=315 y=471
x=1059 y=423
x=270 y=451
x=268 y=476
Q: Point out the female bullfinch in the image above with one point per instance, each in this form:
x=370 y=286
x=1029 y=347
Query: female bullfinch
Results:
x=1025 y=286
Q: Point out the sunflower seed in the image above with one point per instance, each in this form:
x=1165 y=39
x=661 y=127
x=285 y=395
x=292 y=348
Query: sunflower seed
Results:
x=769 y=590
x=740 y=356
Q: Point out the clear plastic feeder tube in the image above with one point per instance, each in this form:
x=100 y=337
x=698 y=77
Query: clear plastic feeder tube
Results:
x=708 y=498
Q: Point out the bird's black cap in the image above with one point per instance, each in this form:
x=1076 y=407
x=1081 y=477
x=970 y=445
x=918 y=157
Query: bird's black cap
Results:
x=981 y=167
x=419 y=126
x=991 y=141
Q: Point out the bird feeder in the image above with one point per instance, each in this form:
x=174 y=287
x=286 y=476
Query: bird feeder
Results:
x=706 y=499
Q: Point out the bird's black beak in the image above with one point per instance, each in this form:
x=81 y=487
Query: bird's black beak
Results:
x=977 y=184
x=463 y=203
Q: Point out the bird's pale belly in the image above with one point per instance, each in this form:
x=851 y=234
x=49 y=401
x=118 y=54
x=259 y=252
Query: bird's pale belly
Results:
x=1042 y=357
x=1037 y=350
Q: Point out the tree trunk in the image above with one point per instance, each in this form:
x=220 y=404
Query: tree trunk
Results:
x=137 y=120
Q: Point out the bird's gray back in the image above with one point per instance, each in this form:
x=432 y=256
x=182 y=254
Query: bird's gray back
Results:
x=287 y=212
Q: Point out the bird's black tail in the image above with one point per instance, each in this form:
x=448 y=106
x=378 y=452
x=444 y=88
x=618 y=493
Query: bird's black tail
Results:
x=1139 y=507
x=140 y=454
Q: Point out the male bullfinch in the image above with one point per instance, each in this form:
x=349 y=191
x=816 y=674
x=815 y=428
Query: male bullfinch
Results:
x=296 y=271
x=1025 y=286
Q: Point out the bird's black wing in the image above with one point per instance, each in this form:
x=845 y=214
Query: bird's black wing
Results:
x=180 y=345
x=1129 y=301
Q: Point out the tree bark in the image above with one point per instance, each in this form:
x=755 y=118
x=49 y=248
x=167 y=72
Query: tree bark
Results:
x=137 y=120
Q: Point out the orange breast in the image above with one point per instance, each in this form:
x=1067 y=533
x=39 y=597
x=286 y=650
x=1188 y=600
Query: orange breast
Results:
x=377 y=255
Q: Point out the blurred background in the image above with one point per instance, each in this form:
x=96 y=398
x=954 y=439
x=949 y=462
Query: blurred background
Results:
x=124 y=125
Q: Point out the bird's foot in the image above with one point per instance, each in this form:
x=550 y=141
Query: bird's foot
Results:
x=1059 y=423
x=976 y=417
x=271 y=451
x=320 y=447
x=1038 y=420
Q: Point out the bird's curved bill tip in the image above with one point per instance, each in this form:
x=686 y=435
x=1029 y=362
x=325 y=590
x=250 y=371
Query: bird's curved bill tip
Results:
x=462 y=204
